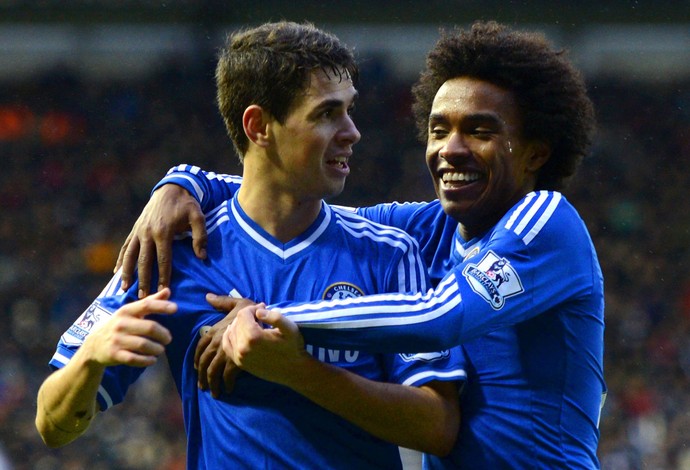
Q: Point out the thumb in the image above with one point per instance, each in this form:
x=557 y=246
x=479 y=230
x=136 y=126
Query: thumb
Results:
x=276 y=320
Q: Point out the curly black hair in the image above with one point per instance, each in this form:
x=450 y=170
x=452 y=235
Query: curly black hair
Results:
x=270 y=65
x=549 y=90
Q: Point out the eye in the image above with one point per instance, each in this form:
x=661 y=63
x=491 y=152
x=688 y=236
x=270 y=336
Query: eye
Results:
x=482 y=132
x=351 y=109
x=438 y=131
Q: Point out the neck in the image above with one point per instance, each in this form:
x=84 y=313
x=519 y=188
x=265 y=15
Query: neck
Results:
x=281 y=214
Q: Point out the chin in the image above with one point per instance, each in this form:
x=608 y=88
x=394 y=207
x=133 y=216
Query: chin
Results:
x=332 y=192
x=452 y=208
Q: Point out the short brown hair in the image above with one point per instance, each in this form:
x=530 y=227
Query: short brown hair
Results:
x=269 y=66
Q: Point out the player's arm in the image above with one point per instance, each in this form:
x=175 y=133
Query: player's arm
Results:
x=542 y=259
x=177 y=204
x=66 y=402
x=425 y=418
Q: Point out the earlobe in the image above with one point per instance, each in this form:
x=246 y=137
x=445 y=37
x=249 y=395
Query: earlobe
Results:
x=255 y=124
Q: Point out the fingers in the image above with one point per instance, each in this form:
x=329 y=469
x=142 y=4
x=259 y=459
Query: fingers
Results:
x=215 y=368
x=276 y=320
x=205 y=359
x=199 y=236
x=222 y=303
x=230 y=375
x=147 y=251
x=121 y=254
x=128 y=337
x=202 y=346
x=154 y=303
x=137 y=351
x=215 y=371
x=208 y=344
x=164 y=250
x=129 y=253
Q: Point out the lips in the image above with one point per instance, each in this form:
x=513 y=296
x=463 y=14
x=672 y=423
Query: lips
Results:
x=340 y=162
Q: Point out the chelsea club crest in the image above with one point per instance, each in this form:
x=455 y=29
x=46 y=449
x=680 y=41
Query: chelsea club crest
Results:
x=342 y=290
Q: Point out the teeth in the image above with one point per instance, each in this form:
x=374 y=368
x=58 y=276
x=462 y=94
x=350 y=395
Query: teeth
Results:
x=460 y=177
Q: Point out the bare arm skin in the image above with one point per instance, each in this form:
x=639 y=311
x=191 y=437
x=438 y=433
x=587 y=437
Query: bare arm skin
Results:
x=425 y=418
x=170 y=210
x=66 y=401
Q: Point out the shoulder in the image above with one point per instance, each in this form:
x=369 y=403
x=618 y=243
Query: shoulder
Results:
x=393 y=210
x=359 y=225
x=543 y=215
x=184 y=168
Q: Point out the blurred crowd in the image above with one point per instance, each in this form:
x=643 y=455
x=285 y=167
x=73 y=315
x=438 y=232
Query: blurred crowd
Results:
x=79 y=158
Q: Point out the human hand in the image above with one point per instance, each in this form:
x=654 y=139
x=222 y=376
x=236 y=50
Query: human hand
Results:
x=210 y=360
x=127 y=337
x=170 y=210
x=271 y=354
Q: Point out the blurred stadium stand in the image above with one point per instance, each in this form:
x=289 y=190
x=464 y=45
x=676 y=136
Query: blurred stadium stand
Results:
x=99 y=98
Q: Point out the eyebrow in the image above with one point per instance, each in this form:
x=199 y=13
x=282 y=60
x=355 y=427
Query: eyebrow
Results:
x=487 y=117
x=333 y=103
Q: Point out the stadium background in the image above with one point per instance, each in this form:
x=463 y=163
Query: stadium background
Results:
x=98 y=98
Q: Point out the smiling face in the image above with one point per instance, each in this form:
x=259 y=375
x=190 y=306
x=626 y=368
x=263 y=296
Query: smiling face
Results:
x=479 y=162
x=311 y=149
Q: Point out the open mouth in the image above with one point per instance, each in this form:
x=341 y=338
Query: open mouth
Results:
x=457 y=179
x=338 y=162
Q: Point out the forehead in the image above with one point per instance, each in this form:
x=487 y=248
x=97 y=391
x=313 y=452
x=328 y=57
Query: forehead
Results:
x=463 y=96
x=323 y=86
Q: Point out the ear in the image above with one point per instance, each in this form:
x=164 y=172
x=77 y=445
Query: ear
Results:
x=540 y=154
x=255 y=122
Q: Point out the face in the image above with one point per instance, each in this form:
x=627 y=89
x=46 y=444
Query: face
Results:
x=314 y=144
x=480 y=163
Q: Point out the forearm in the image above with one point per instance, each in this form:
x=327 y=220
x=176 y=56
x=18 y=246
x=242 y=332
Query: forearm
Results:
x=417 y=418
x=67 y=401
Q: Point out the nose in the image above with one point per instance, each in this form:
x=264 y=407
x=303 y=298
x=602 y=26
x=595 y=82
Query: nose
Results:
x=455 y=145
x=350 y=134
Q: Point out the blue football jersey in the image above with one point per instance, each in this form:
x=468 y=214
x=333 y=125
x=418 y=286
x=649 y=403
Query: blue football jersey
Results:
x=262 y=424
x=525 y=302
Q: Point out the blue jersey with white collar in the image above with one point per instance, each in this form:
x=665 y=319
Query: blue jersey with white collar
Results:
x=525 y=301
x=261 y=424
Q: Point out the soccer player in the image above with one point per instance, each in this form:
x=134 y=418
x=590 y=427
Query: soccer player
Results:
x=507 y=121
x=286 y=92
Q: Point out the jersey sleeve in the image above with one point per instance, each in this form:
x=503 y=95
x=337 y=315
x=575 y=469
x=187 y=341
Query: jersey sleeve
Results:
x=208 y=188
x=418 y=369
x=415 y=218
x=408 y=274
x=116 y=379
x=537 y=258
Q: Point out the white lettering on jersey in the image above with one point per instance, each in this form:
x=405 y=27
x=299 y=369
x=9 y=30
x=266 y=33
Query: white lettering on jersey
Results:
x=331 y=355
